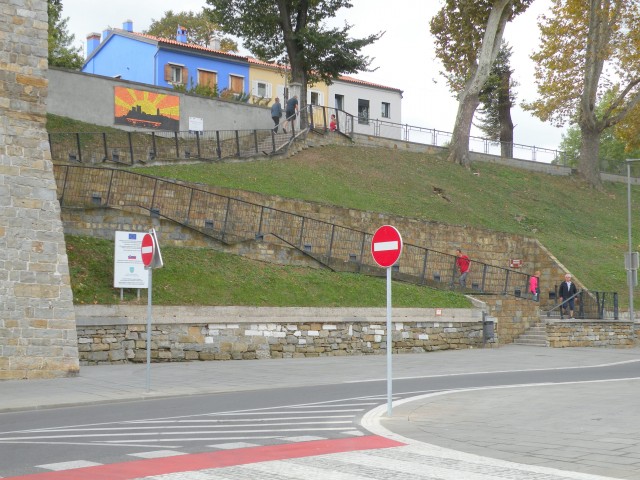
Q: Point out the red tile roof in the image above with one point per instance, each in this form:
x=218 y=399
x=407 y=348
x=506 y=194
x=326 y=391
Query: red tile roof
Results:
x=195 y=46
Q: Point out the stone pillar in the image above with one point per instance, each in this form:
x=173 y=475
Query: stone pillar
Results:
x=37 y=320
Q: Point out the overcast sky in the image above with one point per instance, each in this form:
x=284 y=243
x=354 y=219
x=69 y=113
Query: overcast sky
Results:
x=404 y=56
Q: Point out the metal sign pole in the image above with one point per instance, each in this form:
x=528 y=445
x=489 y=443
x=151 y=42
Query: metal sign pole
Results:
x=389 y=343
x=149 y=330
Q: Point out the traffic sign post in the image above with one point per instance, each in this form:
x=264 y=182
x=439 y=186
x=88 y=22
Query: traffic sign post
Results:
x=386 y=247
x=151 y=258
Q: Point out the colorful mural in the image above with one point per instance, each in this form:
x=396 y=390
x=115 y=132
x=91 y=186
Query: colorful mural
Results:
x=140 y=108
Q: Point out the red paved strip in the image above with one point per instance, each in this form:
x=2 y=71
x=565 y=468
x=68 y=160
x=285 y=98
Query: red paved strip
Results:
x=217 y=459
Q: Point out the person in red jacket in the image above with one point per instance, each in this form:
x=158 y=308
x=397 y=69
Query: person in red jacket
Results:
x=534 y=286
x=463 y=263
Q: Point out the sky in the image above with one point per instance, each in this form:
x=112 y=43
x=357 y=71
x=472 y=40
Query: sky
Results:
x=404 y=57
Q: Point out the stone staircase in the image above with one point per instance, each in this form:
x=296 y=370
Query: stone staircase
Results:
x=534 y=336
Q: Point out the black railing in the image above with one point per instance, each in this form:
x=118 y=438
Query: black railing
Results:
x=589 y=305
x=231 y=220
x=129 y=147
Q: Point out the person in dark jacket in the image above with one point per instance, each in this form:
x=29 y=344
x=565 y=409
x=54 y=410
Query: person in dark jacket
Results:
x=291 y=112
x=567 y=291
x=276 y=113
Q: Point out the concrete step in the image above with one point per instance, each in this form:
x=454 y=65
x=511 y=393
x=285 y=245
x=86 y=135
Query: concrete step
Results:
x=531 y=342
x=535 y=335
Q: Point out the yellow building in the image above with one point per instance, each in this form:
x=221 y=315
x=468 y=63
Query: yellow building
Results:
x=268 y=81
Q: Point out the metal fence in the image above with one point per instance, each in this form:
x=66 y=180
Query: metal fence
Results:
x=129 y=147
x=589 y=304
x=231 y=220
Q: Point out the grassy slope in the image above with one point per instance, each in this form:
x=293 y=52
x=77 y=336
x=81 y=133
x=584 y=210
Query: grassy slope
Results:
x=584 y=228
x=206 y=277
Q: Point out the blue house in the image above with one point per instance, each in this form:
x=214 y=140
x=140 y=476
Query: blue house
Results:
x=123 y=53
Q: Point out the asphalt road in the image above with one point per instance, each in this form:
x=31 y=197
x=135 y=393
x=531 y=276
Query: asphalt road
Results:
x=117 y=432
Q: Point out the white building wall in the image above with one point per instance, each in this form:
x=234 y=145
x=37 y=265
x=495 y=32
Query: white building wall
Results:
x=377 y=125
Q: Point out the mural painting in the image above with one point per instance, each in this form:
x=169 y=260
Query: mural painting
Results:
x=139 y=108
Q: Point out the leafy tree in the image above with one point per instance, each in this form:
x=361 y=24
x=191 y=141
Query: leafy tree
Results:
x=468 y=35
x=496 y=99
x=588 y=48
x=61 y=52
x=200 y=29
x=294 y=32
x=613 y=147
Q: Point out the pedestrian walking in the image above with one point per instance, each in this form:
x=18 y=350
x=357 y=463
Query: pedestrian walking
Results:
x=276 y=114
x=463 y=264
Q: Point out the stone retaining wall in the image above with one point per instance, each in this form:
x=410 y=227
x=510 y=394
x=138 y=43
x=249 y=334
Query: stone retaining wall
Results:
x=117 y=334
x=588 y=333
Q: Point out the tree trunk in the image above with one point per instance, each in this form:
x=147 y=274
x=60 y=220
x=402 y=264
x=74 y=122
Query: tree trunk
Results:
x=588 y=164
x=459 y=147
x=504 y=116
x=469 y=97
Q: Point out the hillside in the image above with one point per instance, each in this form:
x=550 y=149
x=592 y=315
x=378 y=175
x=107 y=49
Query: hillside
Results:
x=584 y=228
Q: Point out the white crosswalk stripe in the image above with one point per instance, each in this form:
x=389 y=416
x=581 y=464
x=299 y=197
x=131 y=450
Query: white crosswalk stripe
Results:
x=57 y=467
x=157 y=454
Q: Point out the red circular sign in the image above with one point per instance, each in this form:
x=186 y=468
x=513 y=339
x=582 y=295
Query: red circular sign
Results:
x=146 y=249
x=386 y=246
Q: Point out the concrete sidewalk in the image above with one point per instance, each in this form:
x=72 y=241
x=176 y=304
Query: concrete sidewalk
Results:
x=590 y=428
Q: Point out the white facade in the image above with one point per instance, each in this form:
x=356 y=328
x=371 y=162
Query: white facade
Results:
x=378 y=109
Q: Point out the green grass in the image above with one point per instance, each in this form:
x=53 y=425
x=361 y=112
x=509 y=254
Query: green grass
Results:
x=584 y=228
x=206 y=277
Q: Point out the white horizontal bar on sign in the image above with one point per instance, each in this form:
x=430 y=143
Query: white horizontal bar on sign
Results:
x=384 y=246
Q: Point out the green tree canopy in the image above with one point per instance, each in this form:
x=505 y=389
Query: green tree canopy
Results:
x=497 y=95
x=295 y=32
x=61 y=51
x=200 y=29
x=588 y=49
x=614 y=147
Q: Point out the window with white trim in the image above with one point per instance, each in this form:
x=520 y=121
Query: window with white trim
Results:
x=316 y=98
x=175 y=73
x=207 y=78
x=363 y=111
x=261 y=89
x=236 y=83
x=386 y=110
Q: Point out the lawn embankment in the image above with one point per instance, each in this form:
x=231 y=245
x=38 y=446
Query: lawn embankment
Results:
x=586 y=229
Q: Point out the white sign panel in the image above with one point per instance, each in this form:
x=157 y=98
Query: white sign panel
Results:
x=128 y=269
x=196 y=124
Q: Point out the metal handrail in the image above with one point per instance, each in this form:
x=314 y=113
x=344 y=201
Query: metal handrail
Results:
x=592 y=304
x=231 y=219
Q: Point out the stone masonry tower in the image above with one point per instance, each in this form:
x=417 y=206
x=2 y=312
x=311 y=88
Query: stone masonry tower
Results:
x=37 y=320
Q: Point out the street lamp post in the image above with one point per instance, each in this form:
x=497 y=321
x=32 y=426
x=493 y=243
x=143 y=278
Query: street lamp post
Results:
x=631 y=277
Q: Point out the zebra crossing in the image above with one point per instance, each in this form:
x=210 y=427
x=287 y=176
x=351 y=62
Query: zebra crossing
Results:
x=186 y=434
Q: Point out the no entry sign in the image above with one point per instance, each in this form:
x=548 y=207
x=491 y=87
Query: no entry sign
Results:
x=386 y=246
x=146 y=249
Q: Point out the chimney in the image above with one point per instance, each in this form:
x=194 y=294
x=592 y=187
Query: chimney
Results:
x=181 y=34
x=214 y=44
x=93 y=40
x=127 y=26
x=105 y=33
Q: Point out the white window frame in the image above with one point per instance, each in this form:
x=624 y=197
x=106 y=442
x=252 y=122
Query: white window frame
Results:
x=255 y=89
x=320 y=97
x=176 y=71
x=231 y=75
x=207 y=71
x=386 y=110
